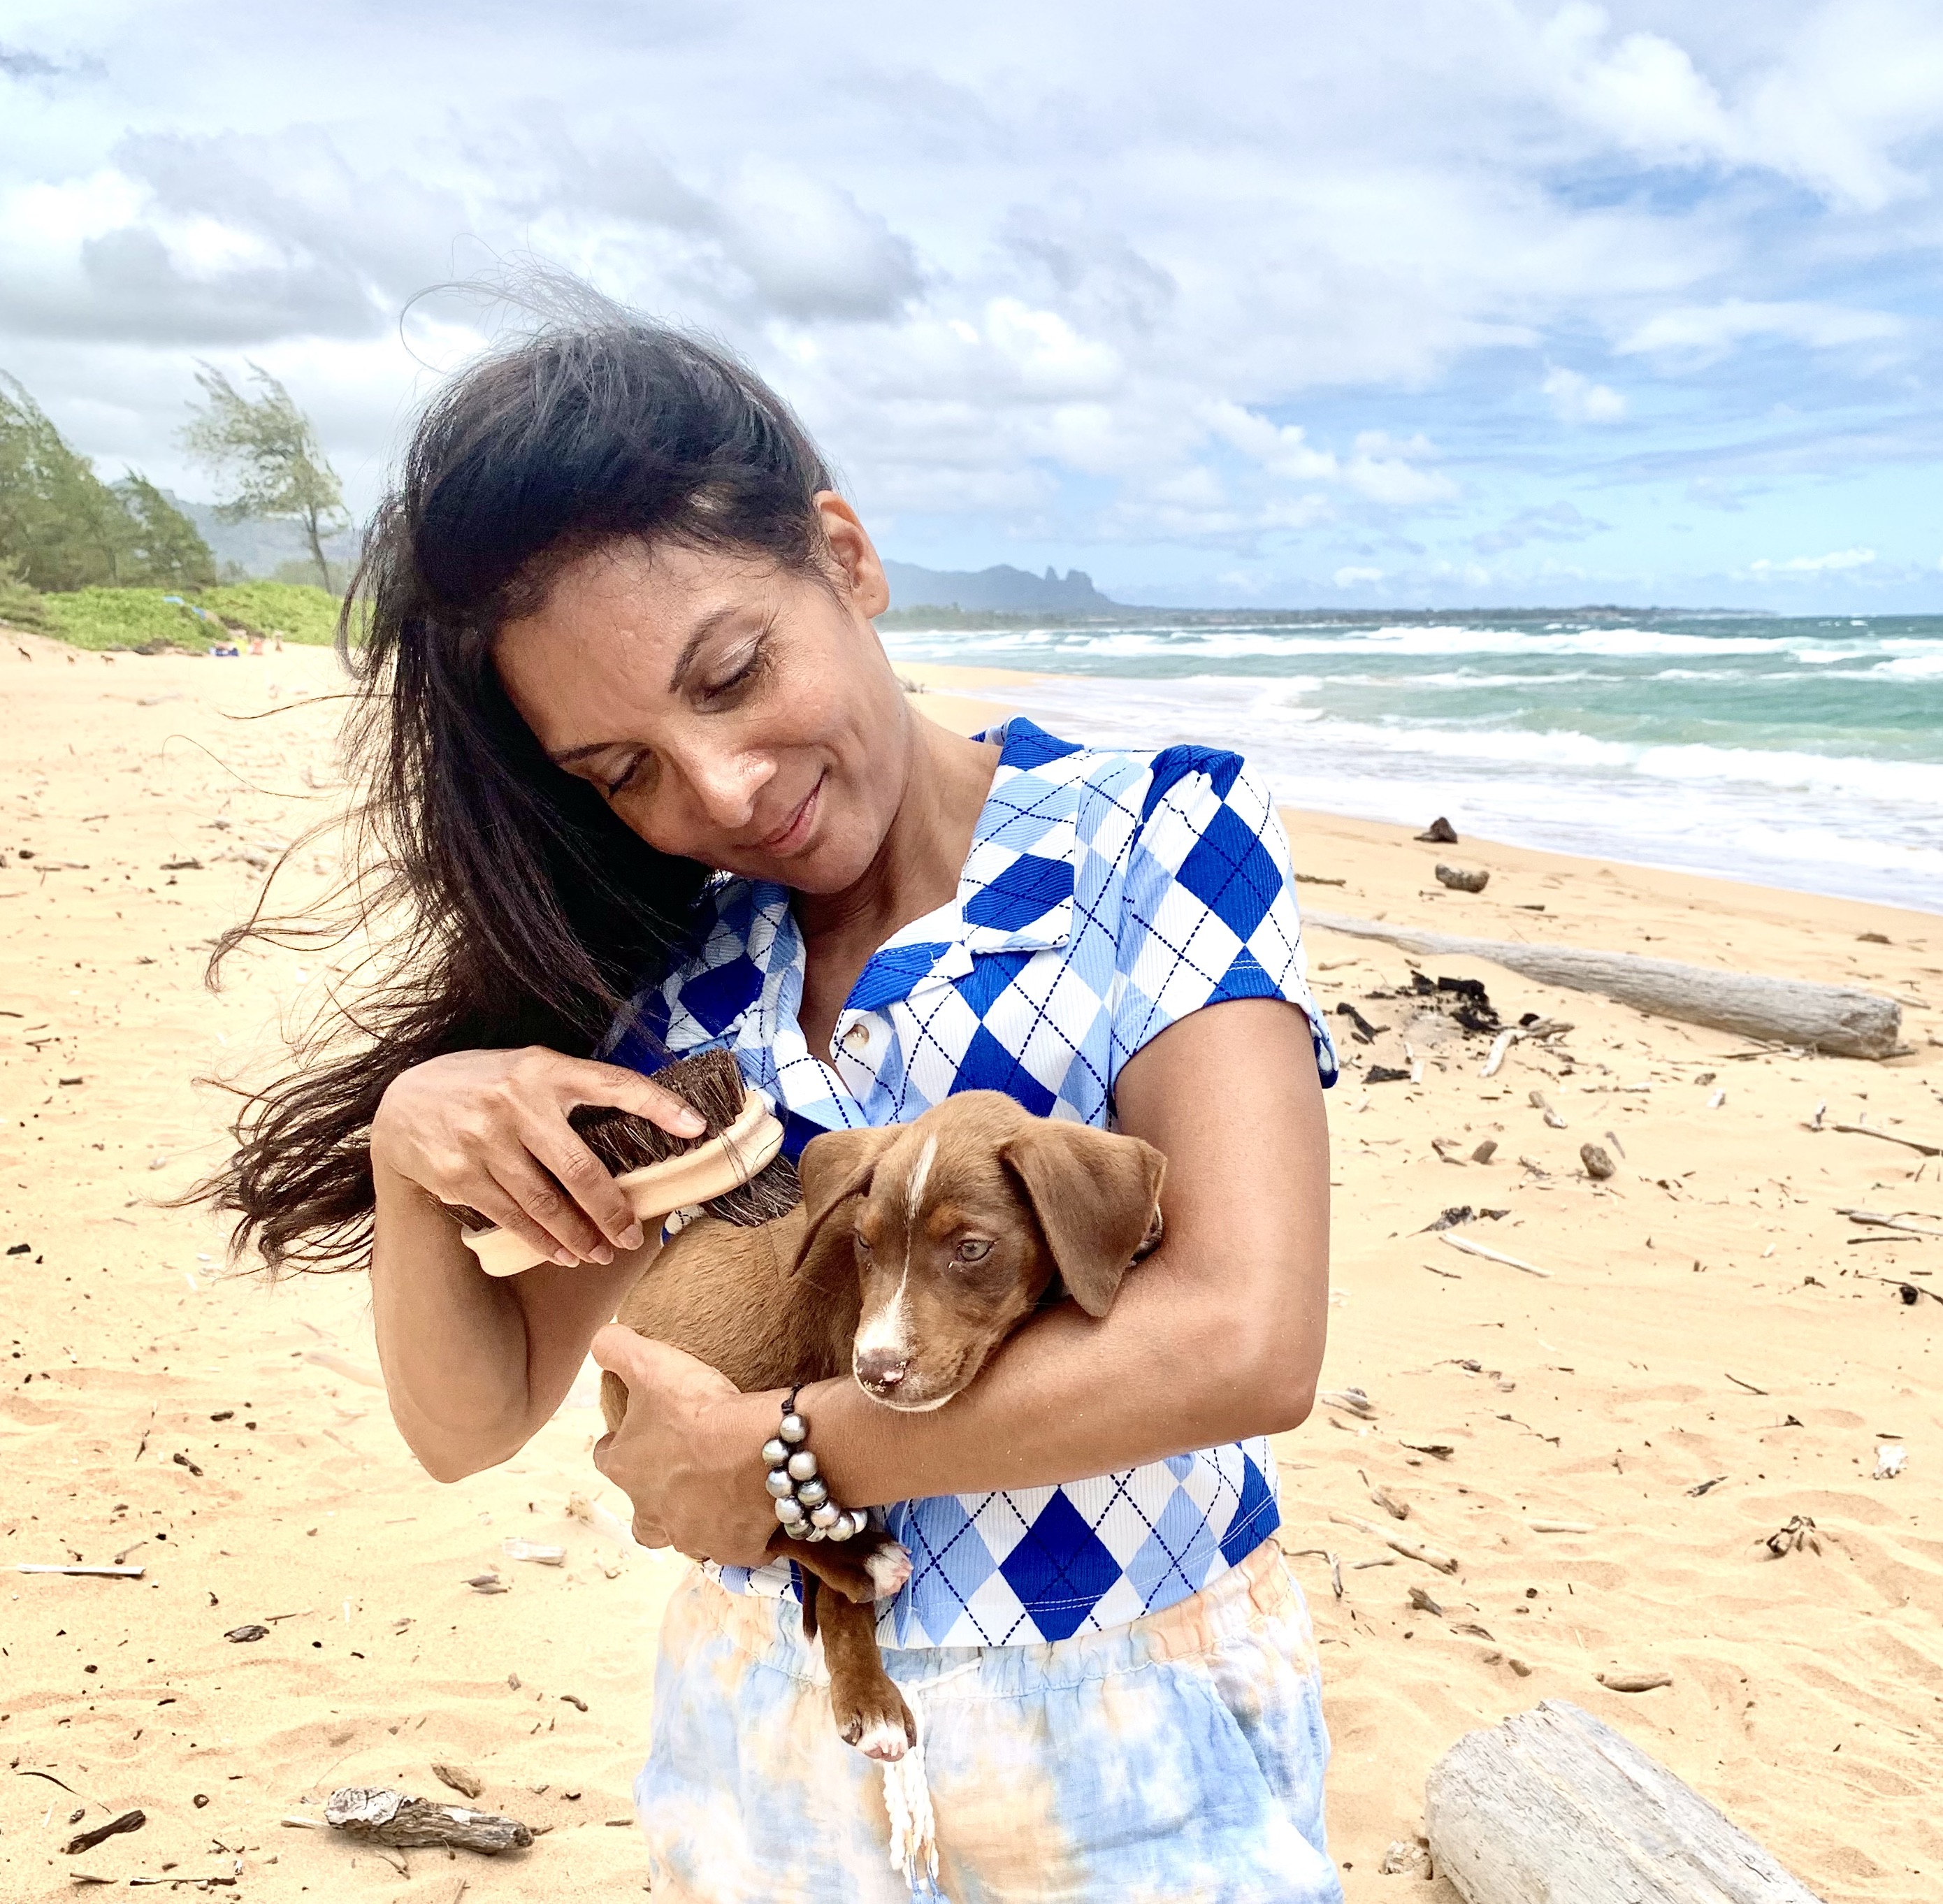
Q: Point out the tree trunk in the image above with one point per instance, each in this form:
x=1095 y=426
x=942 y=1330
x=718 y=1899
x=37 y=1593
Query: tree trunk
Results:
x=1552 y=1806
x=316 y=547
x=1832 y=1018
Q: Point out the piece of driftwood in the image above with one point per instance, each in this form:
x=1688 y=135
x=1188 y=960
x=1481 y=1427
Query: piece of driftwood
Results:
x=1888 y=1137
x=1489 y=1255
x=1833 y=1018
x=81 y=1572
x=405 y=1823
x=129 y=1821
x=1553 y=1805
x=1410 y=1549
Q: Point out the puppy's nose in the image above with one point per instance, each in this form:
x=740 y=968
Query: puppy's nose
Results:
x=881 y=1369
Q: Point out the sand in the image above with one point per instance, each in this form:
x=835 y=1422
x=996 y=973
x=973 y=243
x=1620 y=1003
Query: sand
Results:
x=1711 y=1317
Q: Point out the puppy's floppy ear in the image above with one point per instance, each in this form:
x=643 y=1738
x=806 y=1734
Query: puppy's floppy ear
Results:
x=835 y=1168
x=1096 y=1196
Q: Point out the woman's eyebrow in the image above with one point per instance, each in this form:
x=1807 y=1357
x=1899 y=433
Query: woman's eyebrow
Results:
x=693 y=646
x=567 y=756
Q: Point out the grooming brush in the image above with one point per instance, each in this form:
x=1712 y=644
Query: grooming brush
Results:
x=735 y=1170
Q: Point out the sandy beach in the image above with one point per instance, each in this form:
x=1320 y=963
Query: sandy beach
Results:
x=1717 y=1349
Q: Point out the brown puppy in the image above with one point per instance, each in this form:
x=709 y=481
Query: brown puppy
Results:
x=917 y=1249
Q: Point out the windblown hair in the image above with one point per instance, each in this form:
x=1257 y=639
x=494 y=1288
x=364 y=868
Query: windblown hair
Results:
x=508 y=905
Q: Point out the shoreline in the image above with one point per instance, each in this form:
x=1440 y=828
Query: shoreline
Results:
x=977 y=695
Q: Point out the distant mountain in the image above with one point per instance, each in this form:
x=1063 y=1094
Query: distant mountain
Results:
x=1002 y=589
x=259 y=549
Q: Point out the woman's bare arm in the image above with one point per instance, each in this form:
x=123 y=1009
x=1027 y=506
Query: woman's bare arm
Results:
x=474 y=1364
x=1217 y=1336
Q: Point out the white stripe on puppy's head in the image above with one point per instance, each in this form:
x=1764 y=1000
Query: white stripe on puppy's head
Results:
x=914 y=1191
x=890 y=1329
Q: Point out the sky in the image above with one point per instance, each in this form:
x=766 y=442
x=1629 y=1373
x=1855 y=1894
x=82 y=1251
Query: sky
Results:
x=1399 y=303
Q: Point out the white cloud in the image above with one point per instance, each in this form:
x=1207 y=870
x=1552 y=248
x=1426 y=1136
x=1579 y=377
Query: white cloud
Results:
x=1705 y=333
x=1834 y=563
x=1825 y=101
x=1064 y=296
x=1356 y=577
x=1380 y=469
x=1577 y=399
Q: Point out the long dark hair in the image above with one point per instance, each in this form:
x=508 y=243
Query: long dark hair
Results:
x=511 y=906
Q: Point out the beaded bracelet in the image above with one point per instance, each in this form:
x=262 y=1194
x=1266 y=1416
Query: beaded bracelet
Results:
x=802 y=1501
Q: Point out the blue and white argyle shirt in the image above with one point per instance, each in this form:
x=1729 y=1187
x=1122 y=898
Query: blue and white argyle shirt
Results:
x=1104 y=898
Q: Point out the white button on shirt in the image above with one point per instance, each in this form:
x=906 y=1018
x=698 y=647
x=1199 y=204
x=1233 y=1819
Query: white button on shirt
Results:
x=1105 y=896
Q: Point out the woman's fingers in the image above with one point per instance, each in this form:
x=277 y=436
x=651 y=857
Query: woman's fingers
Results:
x=499 y=1208
x=549 y=1213
x=586 y=1081
x=648 y=1532
x=584 y=1178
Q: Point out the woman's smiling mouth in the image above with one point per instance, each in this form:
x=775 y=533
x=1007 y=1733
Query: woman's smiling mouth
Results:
x=796 y=829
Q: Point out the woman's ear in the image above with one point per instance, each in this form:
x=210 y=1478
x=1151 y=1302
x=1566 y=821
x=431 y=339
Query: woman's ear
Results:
x=1096 y=1198
x=835 y=1169
x=854 y=555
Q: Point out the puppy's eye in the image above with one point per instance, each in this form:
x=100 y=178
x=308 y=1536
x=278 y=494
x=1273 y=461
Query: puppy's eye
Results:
x=862 y=1242
x=974 y=1249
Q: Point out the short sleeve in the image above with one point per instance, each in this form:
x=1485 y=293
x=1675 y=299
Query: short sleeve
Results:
x=1208 y=904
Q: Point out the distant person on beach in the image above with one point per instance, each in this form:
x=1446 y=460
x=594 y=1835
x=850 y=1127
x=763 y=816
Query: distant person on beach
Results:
x=641 y=782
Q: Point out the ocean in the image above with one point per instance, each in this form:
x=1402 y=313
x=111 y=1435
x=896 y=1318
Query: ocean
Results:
x=1805 y=753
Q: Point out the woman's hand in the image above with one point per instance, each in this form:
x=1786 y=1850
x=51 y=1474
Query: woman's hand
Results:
x=689 y=1453
x=489 y=1128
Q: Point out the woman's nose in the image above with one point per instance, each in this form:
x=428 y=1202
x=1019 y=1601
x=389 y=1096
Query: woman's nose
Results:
x=724 y=787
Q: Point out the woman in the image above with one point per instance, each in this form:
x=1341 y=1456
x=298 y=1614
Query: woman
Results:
x=647 y=782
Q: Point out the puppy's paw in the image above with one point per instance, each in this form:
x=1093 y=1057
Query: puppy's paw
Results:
x=889 y=1567
x=876 y=1721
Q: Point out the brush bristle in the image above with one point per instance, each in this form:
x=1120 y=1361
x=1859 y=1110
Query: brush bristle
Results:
x=710 y=1082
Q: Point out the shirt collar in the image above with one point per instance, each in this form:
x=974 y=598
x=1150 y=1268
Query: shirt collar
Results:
x=1014 y=894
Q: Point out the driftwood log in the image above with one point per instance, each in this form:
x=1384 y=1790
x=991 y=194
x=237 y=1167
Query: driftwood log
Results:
x=1832 y=1018
x=404 y=1823
x=1553 y=1806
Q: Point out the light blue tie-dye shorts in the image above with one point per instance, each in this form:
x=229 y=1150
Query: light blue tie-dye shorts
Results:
x=1177 y=1760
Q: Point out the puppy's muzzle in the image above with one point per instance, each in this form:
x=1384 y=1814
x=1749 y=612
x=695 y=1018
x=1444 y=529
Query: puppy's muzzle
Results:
x=881 y=1372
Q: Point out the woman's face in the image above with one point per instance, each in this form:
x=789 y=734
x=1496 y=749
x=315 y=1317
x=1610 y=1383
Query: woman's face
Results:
x=729 y=712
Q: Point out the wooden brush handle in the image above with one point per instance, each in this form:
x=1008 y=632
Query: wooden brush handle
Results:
x=710 y=1170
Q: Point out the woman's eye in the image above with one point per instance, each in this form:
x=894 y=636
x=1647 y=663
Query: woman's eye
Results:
x=974 y=1249
x=743 y=670
x=627 y=778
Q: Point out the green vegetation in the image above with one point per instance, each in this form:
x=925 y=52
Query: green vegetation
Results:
x=269 y=450
x=117 y=565
x=20 y=606
x=61 y=528
x=153 y=617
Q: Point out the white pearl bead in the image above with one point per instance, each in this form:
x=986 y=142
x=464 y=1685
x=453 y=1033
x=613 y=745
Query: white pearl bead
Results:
x=802 y=1465
x=775 y=1453
x=789 y=1510
x=778 y=1483
x=843 y=1527
x=812 y=1493
x=794 y=1428
x=827 y=1516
